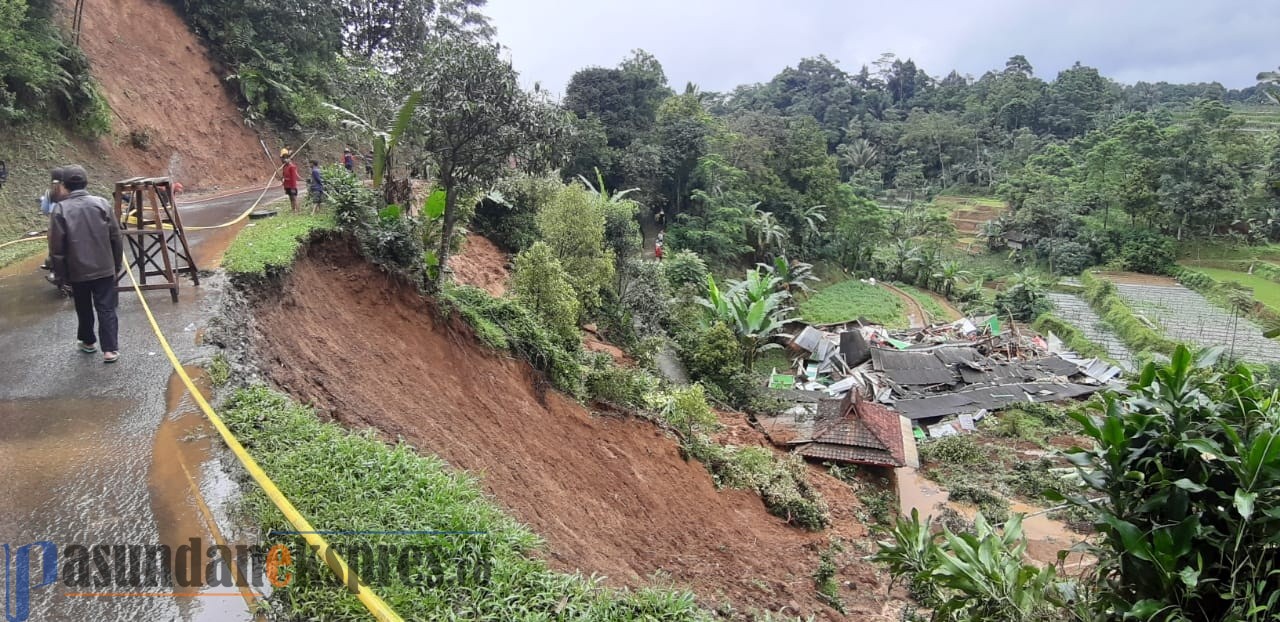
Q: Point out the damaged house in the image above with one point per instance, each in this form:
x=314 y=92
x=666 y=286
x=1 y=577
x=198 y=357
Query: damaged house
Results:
x=865 y=391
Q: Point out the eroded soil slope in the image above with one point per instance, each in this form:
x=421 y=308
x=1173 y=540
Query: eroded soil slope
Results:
x=481 y=264
x=160 y=81
x=610 y=494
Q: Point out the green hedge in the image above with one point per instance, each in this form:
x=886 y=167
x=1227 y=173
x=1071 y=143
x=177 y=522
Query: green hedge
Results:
x=1102 y=297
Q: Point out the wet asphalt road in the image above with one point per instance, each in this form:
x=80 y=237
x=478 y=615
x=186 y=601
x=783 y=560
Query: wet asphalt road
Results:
x=111 y=454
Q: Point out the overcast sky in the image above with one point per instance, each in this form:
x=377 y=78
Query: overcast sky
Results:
x=719 y=44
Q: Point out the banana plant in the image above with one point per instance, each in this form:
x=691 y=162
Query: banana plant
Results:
x=385 y=139
x=752 y=307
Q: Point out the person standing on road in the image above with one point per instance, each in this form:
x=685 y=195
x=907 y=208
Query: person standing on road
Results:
x=290 y=179
x=317 y=186
x=86 y=250
x=349 y=161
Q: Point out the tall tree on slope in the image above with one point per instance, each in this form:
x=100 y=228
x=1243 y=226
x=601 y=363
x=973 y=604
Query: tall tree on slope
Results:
x=473 y=119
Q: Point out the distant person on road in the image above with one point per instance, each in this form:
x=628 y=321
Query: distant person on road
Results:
x=316 y=188
x=660 y=218
x=46 y=207
x=289 y=175
x=349 y=161
x=86 y=251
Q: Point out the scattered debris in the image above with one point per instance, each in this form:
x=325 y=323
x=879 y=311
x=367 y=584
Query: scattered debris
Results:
x=853 y=382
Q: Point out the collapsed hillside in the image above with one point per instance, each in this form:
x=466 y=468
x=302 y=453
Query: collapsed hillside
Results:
x=172 y=113
x=610 y=494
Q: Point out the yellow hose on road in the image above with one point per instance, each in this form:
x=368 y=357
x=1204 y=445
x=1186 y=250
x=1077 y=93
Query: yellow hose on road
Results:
x=376 y=606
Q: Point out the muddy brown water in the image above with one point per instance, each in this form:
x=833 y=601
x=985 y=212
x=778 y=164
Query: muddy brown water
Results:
x=112 y=454
x=1045 y=536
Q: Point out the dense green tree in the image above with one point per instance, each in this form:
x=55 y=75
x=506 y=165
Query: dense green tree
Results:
x=541 y=284
x=573 y=225
x=472 y=119
x=1075 y=98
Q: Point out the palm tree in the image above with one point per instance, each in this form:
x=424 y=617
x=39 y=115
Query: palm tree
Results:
x=793 y=275
x=857 y=155
x=905 y=253
x=811 y=216
x=385 y=139
x=926 y=262
x=950 y=275
x=769 y=232
x=752 y=308
x=601 y=192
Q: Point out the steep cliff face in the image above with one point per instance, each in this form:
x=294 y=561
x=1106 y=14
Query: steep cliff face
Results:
x=172 y=114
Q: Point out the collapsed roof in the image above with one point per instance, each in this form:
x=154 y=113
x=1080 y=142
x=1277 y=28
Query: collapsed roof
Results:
x=843 y=430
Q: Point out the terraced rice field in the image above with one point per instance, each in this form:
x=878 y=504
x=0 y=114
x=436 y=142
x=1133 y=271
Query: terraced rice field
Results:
x=1076 y=311
x=1186 y=316
x=968 y=214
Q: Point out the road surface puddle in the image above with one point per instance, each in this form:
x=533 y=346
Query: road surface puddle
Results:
x=187 y=485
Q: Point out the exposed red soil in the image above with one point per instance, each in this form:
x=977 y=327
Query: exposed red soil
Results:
x=158 y=79
x=610 y=494
x=481 y=264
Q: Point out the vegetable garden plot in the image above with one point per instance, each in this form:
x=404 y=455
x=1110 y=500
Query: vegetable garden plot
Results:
x=1187 y=316
x=1076 y=311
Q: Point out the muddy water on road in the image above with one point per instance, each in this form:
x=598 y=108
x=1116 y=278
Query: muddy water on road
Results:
x=1045 y=536
x=186 y=483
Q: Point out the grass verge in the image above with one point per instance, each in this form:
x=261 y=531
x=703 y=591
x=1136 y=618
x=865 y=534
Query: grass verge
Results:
x=1102 y=297
x=932 y=308
x=270 y=245
x=354 y=482
x=847 y=301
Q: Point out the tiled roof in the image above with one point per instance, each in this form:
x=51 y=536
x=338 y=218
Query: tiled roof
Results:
x=845 y=453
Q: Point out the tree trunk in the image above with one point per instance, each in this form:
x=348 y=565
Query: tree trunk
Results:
x=450 y=218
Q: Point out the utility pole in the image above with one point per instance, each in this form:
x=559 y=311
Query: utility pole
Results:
x=77 y=20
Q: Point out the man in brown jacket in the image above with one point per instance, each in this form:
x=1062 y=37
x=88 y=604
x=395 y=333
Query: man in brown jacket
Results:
x=85 y=250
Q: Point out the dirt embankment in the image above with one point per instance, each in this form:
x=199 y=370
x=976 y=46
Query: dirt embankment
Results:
x=481 y=264
x=162 y=85
x=610 y=494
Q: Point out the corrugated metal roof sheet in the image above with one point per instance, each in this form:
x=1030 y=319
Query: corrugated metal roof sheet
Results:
x=990 y=398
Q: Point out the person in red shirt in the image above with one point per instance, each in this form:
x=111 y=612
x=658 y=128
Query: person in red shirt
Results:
x=290 y=177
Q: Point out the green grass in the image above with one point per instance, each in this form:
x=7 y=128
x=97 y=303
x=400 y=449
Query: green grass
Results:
x=271 y=244
x=933 y=308
x=852 y=299
x=354 y=482
x=1264 y=290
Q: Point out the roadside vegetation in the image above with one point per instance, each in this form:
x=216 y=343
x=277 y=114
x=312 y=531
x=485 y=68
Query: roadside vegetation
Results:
x=492 y=574
x=270 y=245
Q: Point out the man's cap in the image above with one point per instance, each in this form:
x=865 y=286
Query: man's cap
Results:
x=284 y=153
x=55 y=176
x=74 y=174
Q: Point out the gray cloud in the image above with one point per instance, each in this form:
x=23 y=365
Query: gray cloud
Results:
x=719 y=44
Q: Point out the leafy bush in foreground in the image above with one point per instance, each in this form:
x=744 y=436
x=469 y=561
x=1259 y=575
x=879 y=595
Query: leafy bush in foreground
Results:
x=1190 y=469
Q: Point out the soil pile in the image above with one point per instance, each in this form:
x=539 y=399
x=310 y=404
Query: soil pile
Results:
x=610 y=494
x=173 y=115
x=481 y=264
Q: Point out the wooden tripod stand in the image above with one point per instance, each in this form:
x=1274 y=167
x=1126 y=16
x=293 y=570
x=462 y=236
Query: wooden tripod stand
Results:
x=153 y=230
